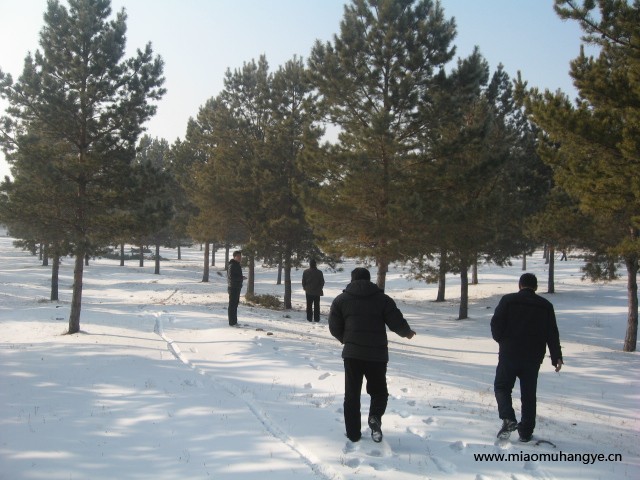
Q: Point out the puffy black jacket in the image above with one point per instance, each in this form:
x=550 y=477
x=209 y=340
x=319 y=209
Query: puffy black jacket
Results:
x=234 y=275
x=359 y=317
x=313 y=281
x=524 y=324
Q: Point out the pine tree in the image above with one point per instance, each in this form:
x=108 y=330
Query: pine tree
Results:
x=598 y=137
x=292 y=138
x=150 y=203
x=80 y=92
x=372 y=79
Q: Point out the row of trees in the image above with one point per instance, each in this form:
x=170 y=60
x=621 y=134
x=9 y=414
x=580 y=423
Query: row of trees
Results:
x=436 y=165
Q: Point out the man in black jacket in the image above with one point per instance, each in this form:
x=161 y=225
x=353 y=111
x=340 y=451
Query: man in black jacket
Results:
x=358 y=319
x=234 y=285
x=312 y=283
x=523 y=324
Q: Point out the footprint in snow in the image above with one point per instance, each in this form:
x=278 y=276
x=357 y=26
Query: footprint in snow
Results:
x=381 y=450
x=430 y=421
x=443 y=465
x=308 y=385
x=350 y=447
x=458 y=446
x=411 y=403
x=380 y=467
x=324 y=375
x=418 y=432
x=534 y=469
x=404 y=414
x=353 y=462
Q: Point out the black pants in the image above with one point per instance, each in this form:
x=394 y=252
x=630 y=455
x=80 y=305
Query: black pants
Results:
x=376 y=375
x=234 y=300
x=313 y=307
x=506 y=374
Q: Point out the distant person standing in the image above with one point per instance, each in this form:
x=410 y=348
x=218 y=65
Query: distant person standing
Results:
x=234 y=285
x=312 y=283
x=359 y=318
x=523 y=324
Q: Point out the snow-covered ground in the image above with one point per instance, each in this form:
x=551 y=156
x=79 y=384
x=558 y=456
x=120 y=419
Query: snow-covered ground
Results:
x=158 y=386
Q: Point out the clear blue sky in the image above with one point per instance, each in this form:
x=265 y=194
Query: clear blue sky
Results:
x=200 y=39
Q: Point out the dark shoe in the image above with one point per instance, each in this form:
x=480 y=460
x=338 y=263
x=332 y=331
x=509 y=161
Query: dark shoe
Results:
x=508 y=426
x=376 y=429
x=525 y=438
x=355 y=438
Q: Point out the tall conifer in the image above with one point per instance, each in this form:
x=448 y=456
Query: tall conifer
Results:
x=373 y=78
x=84 y=94
x=596 y=139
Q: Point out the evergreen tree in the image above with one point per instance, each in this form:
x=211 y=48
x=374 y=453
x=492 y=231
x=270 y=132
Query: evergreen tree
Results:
x=151 y=203
x=451 y=177
x=292 y=138
x=559 y=225
x=596 y=154
x=32 y=204
x=216 y=185
x=81 y=93
x=372 y=79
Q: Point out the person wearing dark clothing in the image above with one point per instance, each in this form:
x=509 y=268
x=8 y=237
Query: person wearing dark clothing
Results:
x=524 y=325
x=358 y=318
x=234 y=285
x=312 y=283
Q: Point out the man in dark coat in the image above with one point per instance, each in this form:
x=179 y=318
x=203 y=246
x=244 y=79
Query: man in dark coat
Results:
x=523 y=324
x=234 y=285
x=358 y=319
x=312 y=283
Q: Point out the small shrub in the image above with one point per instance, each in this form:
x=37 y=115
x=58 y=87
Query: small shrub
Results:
x=265 y=300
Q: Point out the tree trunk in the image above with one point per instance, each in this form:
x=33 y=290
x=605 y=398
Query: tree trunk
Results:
x=213 y=254
x=76 y=298
x=55 y=271
x=205 y=273
x=442 y=276
x=45 y=255
x=141 y=256
x=631 y=337
x=464 y=292
x=122 y=254
x=524 y=262
x=552 y=283
x=86 y=259
x=287 y=281
x=474 y=272
x=383 y=268
x=157 y=269
x=279 y=277
x=179 y=252
x=251 y=281
x=226 y=257
x=40 y=248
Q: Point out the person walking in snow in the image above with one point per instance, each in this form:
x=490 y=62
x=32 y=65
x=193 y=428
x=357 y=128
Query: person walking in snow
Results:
x=358 y=318
x=234 y=285
x=523 y=324
x=312 y=283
